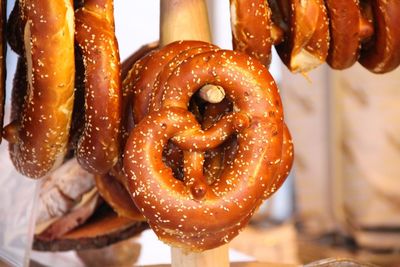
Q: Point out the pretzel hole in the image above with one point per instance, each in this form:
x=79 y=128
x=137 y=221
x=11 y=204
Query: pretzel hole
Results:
x=215 y=160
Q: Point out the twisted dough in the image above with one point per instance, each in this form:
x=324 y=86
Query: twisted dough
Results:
x=98 y=146
x=194 y=213
x=349 y=27
x=39 y=139
x=251 y=28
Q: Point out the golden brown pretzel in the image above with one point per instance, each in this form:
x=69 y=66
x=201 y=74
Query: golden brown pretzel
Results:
x=348 y=29
x=251 y=28
x=41 y=135
x=382 y=53
x=3 y=6
x=98 y=147
x=306 y=40
x=151 y=182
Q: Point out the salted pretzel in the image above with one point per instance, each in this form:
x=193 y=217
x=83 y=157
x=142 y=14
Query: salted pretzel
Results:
x=257 y=110
x=149 y=85
x=349 y=27
x=251 y=28
x=382 y=52
x=2 y=63
x=38 y=141
x=98 y=147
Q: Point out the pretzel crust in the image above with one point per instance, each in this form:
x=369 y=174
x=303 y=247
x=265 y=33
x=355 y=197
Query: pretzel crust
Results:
x=98 y=146
x=382 y=53
x=41 y=136
x=344 y=19
x=251 y=28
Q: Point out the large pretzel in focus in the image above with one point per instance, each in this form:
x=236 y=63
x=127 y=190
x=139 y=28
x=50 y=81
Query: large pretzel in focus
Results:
x=38 y=141
x=185 y=210
x=98 y=147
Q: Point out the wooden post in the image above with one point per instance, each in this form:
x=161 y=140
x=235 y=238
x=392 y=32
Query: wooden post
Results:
x=210 y=258
x=183 y=20
x=188 y=20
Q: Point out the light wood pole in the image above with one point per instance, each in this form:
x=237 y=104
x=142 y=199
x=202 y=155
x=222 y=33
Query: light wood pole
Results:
x=188 y=20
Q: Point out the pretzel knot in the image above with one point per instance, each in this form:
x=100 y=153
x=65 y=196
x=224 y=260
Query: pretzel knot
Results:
x=195 y=213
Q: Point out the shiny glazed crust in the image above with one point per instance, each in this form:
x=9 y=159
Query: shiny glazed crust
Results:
x=41 y=134
x=251 y=28
x=98 y=146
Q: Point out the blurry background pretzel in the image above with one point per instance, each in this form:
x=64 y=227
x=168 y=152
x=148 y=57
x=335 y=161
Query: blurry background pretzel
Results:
x=349 y=28
x=303 y=31
x=381 y=53
x=299 y=29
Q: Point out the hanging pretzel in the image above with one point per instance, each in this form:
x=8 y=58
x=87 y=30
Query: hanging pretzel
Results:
x=98 y=147
x=39 y=139
x=382 y=53
x=251 y=28
x=259 y=110
x=349 y=27
x=299 y=29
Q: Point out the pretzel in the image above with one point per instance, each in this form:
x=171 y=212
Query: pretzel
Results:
x=299 y=29
x=381 y=53
x=98 y=147
x=306 y=40
x=193 y=201
x=39 y=139
x=348 y=29
x=2 y=63
x=251 y=28
x=112 y=186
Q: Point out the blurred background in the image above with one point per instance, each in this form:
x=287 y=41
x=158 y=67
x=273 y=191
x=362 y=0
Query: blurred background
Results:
x=342 y=198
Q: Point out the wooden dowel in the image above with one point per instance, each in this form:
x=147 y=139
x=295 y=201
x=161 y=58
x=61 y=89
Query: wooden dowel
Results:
x=188 y=20
x=217 y=257
x=183 y=20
